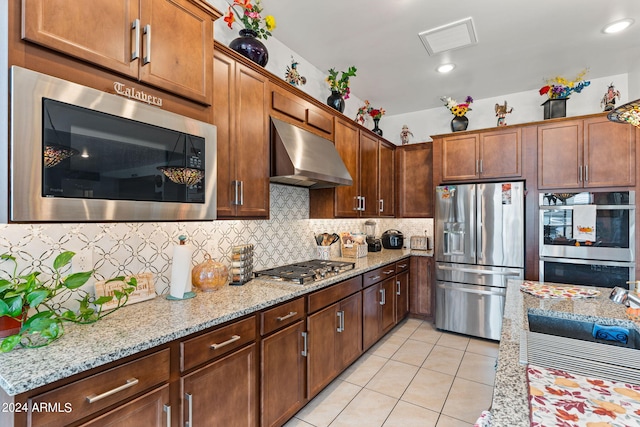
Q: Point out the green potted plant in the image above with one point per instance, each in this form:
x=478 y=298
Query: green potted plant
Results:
x=34 y=304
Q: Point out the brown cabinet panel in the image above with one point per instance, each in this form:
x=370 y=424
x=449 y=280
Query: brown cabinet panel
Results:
x=282 y=370
x=501 y=154
x=142 y=39
x=460 y=157
x=388 y=304
x=414 y=178
x=240 y=106
x=320 y=120
x=130 y=379
x=211 y=345
x=346 y=140
x=288 y=105
x=223 y=393
x=386 y=180
x=377 y=275
x=421 y=287
x=323 y=348
x=402 y=295
x=369 y=174
x=350 y=338
x=609 y=153
x=149 y=410
x=282 y=315
x=370 y=316
x=335 y=293
x=560 y=153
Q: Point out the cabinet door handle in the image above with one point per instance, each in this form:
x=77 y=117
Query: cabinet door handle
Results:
x=130 y=383
x=398 y=285
x=167 y=410
x=580 y=173
x=364 y=203
x=135 y=52
x=233 y=338
x=586 y=173
x=189 y=398
x=241 y=193
x=480 y=161
x=147 y=36
x=288 y=316
x=388 y=272
x=381 y=205
x=340 y=321
x=304 y=351
x=357 y=200
x=383 y=298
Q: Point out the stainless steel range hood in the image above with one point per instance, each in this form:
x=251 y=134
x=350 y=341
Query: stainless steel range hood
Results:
x=303 y=159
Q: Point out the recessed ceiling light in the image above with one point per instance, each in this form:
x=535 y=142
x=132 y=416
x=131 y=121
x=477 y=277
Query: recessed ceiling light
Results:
x=445 y=68
x=617 y=26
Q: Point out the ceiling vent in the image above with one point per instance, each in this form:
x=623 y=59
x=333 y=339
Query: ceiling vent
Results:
x=450 y=36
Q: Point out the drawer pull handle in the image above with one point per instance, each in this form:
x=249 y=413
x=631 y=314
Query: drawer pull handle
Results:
x=130 y=383
x=388 y=272
x=374 y=277
x=288 y=316
x=402 y=265
x=234 y=338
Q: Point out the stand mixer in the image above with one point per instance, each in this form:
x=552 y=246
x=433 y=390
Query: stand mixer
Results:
x=374 y=244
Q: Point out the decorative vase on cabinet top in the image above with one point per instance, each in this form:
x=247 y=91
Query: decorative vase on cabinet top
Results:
x=376 y=129
x=459 y=123
x=554 y=108
x=336 y=101
x=251 y=47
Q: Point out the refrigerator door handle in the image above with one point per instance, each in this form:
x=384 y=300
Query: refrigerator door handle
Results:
x=472 y=291
x=473 y=270
x=479 y=227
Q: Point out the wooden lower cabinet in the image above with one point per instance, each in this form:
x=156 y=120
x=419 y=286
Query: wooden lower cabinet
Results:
x=335 y=341
x=282 y=373
x=223 y=393
x=422 y=287
x=402 y=295
x=148 y=410
x=378 y=311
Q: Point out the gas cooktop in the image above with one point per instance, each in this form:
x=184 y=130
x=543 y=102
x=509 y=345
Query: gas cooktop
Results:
x=306 y=271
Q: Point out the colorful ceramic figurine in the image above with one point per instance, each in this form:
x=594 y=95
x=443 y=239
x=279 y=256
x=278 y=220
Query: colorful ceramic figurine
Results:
x=405 y=134
x=501 y=113
x=293 y=76
x=609 y=98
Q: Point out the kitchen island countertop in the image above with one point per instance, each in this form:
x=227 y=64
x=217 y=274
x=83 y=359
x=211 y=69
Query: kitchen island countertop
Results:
x=138 y=327
x=510 y=406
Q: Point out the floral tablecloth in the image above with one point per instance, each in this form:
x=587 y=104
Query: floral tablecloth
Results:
x=558 y=398
x=542 y=290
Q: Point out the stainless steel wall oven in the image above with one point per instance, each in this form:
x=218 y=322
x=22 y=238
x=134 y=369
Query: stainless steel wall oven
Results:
x=79 y=154
x=587 y=238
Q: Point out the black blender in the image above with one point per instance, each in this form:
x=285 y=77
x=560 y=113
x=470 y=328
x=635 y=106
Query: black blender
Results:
x=374 y=244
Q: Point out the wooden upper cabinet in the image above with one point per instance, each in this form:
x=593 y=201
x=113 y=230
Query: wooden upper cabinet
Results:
x=142 y=39
x=346 y=140
x=386 y=182
x=240 y=104
x=285 y=105
x=485 y=155
x=369 y=175
x=414 y=178
x=586 y=153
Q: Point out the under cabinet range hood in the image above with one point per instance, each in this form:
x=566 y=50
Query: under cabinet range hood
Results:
x=303 y=159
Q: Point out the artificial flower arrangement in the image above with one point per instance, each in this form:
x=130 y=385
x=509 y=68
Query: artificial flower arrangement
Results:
x=341 y=85
x=559 y=87
x=367 y=109
x=250 y=17
x=456 y=108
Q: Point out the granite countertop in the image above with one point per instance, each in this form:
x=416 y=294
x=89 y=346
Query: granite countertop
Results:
x=141 y=326
x=510 y=407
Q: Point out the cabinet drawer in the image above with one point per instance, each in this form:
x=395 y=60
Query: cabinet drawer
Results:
x=282 y=315
x=99 y=391
x=195 y=351
x=288 y=106
x=320 y=120
x=328 y=296
x=402 y=265
x=379 y=274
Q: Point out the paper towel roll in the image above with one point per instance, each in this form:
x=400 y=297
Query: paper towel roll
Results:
x=181 y=271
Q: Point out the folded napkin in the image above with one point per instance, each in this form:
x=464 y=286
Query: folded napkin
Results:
x=584 y=223
x=542 y=290
x=559 y=398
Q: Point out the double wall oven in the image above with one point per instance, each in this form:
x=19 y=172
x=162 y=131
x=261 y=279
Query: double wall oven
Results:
x=587 y=238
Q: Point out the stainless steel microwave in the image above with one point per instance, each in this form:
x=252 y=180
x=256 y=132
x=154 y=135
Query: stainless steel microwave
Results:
x=78 y=154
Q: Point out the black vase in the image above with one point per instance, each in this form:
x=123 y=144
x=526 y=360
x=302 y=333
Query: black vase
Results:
x=336 y=101
x=249 y=46
x=555 y=108
x=376 y=129
x=459 y=123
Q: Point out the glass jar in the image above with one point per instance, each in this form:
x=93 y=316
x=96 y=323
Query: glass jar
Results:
x=209 y=275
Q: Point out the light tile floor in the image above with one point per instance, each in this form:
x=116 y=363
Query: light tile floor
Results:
x=415 y=376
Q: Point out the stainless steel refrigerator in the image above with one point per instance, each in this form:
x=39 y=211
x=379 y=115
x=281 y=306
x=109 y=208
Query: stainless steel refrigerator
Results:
x=479 y=245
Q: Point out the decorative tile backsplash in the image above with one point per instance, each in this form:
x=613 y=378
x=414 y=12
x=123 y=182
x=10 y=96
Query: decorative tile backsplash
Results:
x=129 y=248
